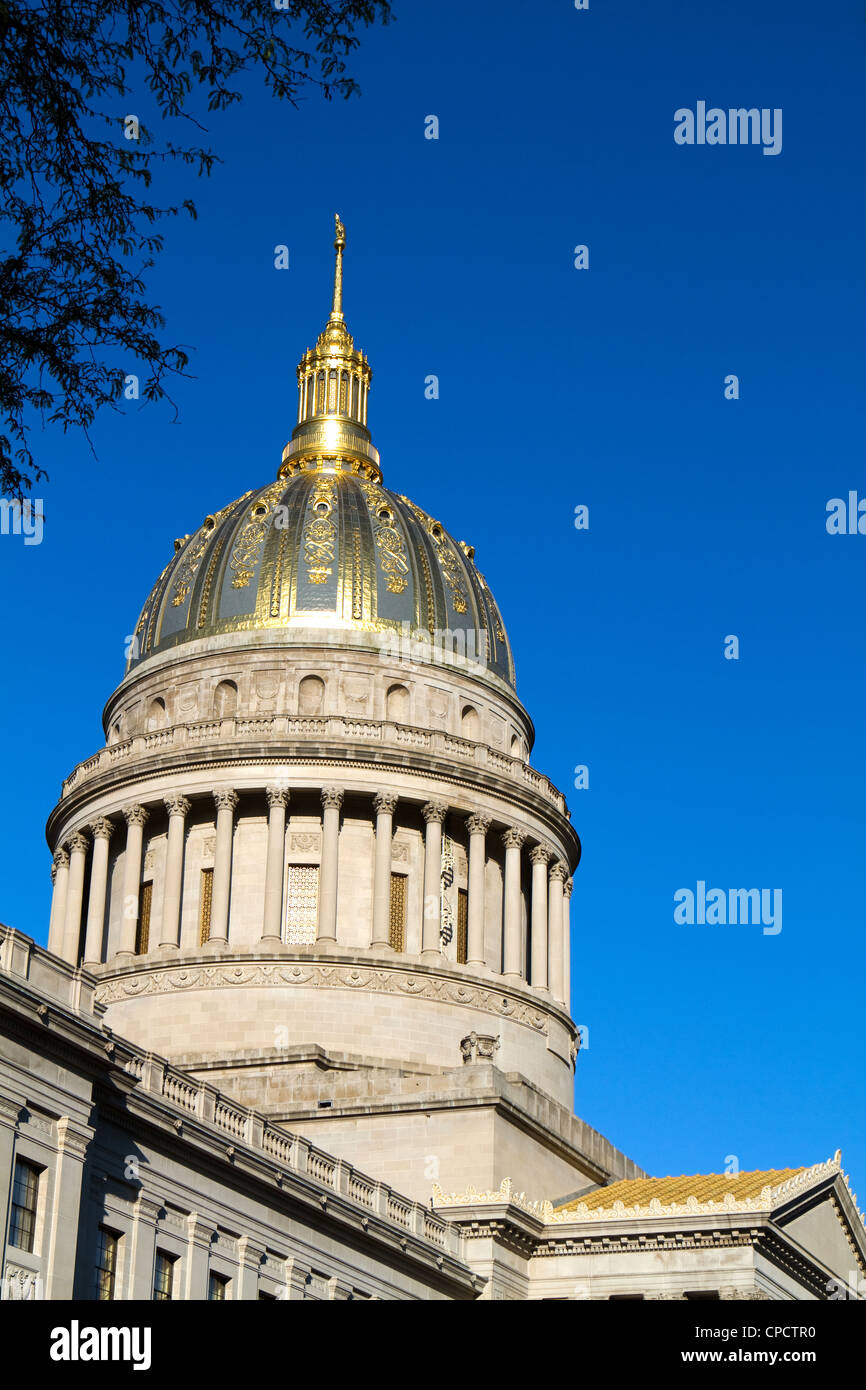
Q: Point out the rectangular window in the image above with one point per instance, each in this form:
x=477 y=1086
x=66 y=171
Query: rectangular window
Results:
x=701 y=1295
x=217 y=1287
x=25 y=1194
x=462 y=924
x=397 y=913
x=206 y=898
x=106 y=1265
x=142 y=929
x=302 y=904
x=163 y=1277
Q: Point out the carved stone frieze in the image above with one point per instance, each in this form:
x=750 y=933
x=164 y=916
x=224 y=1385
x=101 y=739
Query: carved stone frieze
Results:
x=223 y=975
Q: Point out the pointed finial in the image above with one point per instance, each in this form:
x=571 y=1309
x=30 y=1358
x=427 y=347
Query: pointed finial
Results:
x=339 y=243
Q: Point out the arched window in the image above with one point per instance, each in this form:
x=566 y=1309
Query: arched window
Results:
x=517 y=748
x=470 y=724
x=311 y=695
x=156 y=718
x=397 y=704
x=225 y=700
x=114 y=734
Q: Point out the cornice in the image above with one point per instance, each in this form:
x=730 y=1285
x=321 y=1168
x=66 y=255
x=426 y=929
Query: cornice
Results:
x=319 y=754
x=354 y=973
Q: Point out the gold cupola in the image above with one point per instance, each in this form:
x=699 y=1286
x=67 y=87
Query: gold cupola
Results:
x=331 y=435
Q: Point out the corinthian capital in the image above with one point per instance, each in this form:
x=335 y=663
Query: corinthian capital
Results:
x=277 y=796
x=176 y=805
x=102 y=828
x=226 y=799
x=540 y=854
x=61 y=857
x=567 y=887
x=435 y=812
x=559 y=872
x=78 y=843
x=332 y=797
x=385 y=803
x=477 y=823
x=135 y=815
x=513 y=838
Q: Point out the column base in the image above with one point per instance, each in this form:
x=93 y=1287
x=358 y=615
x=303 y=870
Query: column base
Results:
x=432 y=955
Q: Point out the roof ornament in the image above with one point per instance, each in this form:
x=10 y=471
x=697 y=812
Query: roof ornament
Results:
x=339 y=243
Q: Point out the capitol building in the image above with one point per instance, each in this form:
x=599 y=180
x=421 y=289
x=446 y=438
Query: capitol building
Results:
x=303 y=1027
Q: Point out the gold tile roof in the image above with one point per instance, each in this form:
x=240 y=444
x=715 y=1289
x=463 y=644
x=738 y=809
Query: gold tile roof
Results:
x=704 y=1187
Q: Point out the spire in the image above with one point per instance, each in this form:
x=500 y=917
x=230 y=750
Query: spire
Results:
x=339 y=243
x=333 y=386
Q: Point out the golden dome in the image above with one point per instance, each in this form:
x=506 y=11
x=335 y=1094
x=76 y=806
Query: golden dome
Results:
x=326 y=546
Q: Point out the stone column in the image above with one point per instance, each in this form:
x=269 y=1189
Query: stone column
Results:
x=143 y=1252
x=332 y=800
x=250 y=1256
x=178 y=809
x=135 y=817
x=434 y=814
x=78 y=844
x=558 y=875
x=102 y=831
x=199 y=1237
x=478 y=826
x=60 y=879
x=226 y=801
x=272 y=921
x=539 y=857
x=64 y=1218
x=10 y=1109
x=512 y=839
x=566 y=943
x=384 y=804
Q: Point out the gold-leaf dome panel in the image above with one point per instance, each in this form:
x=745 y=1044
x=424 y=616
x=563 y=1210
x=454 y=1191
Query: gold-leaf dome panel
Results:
x=325 y=550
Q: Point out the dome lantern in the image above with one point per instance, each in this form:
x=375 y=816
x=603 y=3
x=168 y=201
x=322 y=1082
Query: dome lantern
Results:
x=334 y=377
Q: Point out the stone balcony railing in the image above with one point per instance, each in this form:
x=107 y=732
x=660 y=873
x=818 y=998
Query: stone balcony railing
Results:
x=281 y=729
x=54 y=990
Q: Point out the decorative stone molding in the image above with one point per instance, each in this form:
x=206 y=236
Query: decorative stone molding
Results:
x=434 y=811
x=102 y=828
x=479 y=1047
x=21 y=1285
x=220 y=975
x=277 y=796
x=332 y=797
x=513 y=838
x=176 y=805
x=226 y=799
x=400 y=853
x=504 y=1194
x=135 y=815
x=306 y=842
x=385 y=802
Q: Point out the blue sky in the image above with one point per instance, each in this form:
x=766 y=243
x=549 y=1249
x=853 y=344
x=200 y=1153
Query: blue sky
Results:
x=558 y=387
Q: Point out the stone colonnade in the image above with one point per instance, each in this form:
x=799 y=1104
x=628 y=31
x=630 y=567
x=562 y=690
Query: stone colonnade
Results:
x=546 y=969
